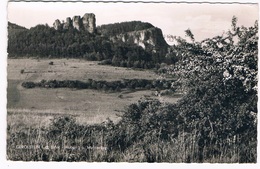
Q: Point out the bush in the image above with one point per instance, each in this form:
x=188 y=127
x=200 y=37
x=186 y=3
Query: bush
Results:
x=220 y=95
x=28 y=84
x=146 y=122
x=114 y=86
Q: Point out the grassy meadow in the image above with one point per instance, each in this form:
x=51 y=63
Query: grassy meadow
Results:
x=29 y=111
x=87 y=105
x=68 y=124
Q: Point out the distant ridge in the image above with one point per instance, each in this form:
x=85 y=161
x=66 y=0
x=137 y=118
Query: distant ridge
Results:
x=127 y=44
x=15 y=26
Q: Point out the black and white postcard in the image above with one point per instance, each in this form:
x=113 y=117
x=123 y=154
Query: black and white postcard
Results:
x=134 y=82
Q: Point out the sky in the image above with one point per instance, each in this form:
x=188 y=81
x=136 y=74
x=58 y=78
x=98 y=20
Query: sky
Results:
x=204 y=20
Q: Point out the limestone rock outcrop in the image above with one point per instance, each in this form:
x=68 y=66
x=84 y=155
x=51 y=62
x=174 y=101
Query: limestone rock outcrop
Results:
x=57 y=24
x=77 y=23
x=68 y=23
x=87 y=23
x=149 y=39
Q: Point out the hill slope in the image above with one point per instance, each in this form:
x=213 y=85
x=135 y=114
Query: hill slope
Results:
x=127 y=44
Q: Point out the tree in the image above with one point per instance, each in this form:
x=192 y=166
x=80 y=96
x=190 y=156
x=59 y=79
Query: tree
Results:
x=190 y=34
x=219 y=76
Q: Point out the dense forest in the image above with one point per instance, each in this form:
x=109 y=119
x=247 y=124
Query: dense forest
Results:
x=118 y=28
x=43 y=41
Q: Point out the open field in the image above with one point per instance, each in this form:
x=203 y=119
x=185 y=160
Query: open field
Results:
x=87 y=105
x=70 y=69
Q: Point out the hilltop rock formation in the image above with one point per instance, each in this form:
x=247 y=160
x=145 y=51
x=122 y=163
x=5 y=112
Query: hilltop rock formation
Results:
x=57 y=24
x=140 y=33
x=68 y=23
x=149 y=39
x=77 y=23
x=87 y=23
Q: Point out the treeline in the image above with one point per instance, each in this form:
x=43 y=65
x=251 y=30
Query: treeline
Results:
x=128 y=55
x=103 y=85
x=14 y=26
x=14 y=29
x=43 y=41
x=123 y=27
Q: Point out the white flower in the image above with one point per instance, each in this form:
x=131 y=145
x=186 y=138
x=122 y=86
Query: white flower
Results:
x=226 y=74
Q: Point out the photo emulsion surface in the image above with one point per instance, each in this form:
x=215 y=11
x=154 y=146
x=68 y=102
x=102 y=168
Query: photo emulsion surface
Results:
x=132 y=82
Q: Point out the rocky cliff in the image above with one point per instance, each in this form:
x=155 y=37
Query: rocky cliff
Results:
x=87 y=23
x=151 y=39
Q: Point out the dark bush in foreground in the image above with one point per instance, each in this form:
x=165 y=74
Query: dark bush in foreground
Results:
x=149 y=131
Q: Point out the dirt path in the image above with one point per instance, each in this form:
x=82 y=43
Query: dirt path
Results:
x=13 y=94
x=14 y=87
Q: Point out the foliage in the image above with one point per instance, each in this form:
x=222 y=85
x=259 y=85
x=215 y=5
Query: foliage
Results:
x=118 y=28
x=146 y=121
x=215 y=121
x=149 y=131
x=62 y=140
x=43 y=41
x=219 y=76
x=116 y=86
x=219 y=56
